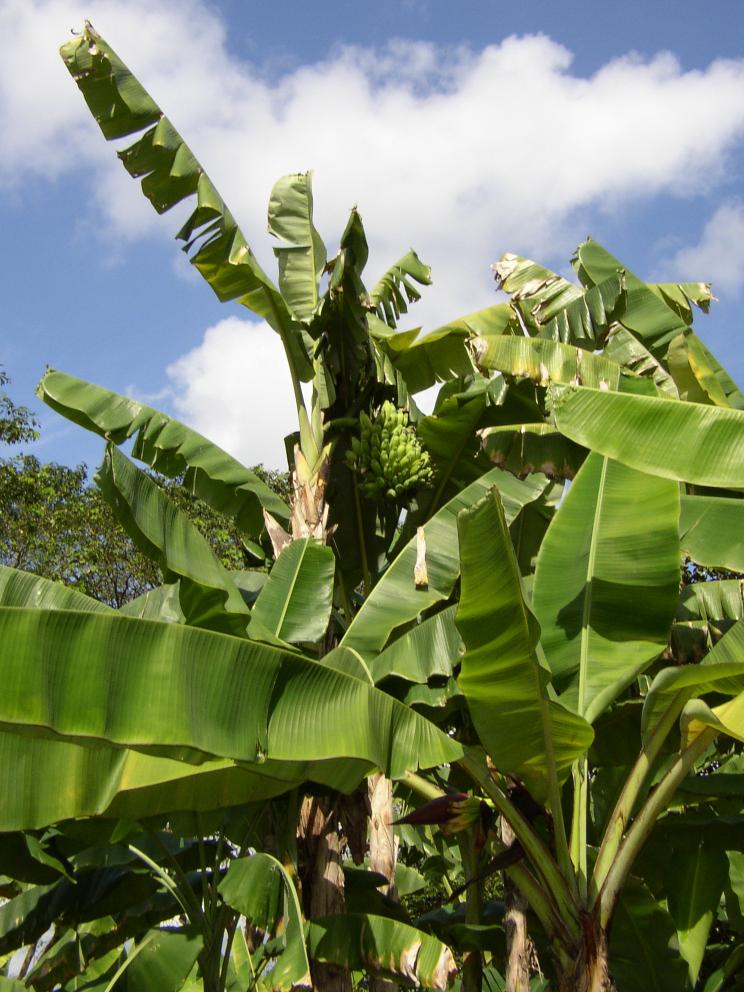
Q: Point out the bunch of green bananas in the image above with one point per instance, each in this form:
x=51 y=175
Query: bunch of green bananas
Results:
x=388 y=455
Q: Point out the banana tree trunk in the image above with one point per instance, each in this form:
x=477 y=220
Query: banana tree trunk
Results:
x=382 y=847
x=591 y=971
x=515 y=926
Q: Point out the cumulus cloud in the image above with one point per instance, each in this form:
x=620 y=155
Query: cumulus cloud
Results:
x=461 y=154
x=234 y=388
x=719 y=255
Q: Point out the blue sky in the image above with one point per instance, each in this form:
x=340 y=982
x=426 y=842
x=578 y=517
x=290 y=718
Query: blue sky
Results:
x=461 y=130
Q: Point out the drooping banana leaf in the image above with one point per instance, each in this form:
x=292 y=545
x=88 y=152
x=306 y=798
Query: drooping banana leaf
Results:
x=382 y=946
x=607 y=581
x=168 y=447
x=302 y=257
x=694 y=377
x=184 y=692
x=625 y=349
x=443 y=354
x=295 y=603
x=430 y=648
x=728 y=719
x=721 y=672
x=171 y=173
x=395 y=599
x=546 y=361
x=682 y=295
x=684 y=441
x=503 y=674
x=711 y=531
x=207 y=594
x=395 y=289
x=161 y=603
x=449 y=435
x=694 y=884
x=260 y=889
x=18 y=588
x=526 y=448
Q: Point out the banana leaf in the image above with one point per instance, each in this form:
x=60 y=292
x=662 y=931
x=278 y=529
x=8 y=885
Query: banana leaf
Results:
x=429 y=649
x=625 y=349
x=295 y=603
x=709 y=529
x=546 y=361
x=171 y=173
x=503 y=674
x=643 y=954
x=394 y=290
x=161 y=603
x=717 y=600
x=684 y=441
x=18 y=588
x=382 y=946
x=302 y=257
x=260 y=889
x=395 y=599
x=184 y=692
x=207 y=594
x=526 y=448
x=607 y=581
x=168 y=447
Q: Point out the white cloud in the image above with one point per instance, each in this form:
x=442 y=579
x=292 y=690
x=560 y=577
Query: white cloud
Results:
x=461 y=154
x=234 y=388
x=718 y=257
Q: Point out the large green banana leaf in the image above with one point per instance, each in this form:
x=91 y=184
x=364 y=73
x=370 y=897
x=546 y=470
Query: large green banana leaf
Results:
x=165 y=961
x=607 y=581
x=684 y=441
x=721 y=672
x=161 y=603
x=171 y=173
x=443 y=354
x=167 y=446
x=543 y=361
x=382 y=946
x=260 y=889
x=643 y=955
x=395 y=600
x=449 y=435
x=302 y=257
x=167 y=536
x=184 y=692
x=503 y=675
x=394 y=290
x=18 y=588
x=711 y=531
x=295 y=603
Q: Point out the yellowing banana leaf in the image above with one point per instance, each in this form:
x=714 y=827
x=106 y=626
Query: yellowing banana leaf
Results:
x=607 y=581
x=184 y=692
x=430 y=648
x=503 y=674
x=684 y=441
x=392 y=293
x=546 y=361
x=728 y=718
x=695 y=379
x=167 y=446
x=302 y=257
x=625 y=349
x=171 y=174
x=526 y=448
x=295 y=603
x=18 y=588
x=721 y=672
x=395 y=599
x=260 y=889
x=711 y=531
x=207 y=594
x=382 y=946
